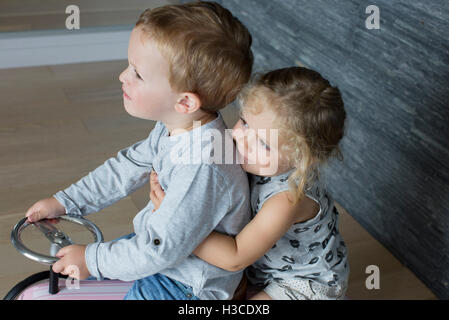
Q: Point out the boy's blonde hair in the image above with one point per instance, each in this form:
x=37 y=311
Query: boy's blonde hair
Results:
x=208 y=49
x=310 y=116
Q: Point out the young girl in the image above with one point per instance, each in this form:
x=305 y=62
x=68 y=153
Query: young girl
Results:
x=292 y=245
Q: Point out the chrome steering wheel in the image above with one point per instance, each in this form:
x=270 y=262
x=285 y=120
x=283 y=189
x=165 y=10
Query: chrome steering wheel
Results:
x=57 y=238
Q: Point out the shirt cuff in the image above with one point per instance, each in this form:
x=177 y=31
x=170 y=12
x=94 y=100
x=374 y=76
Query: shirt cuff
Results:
x=67 y=203
x=90 y=256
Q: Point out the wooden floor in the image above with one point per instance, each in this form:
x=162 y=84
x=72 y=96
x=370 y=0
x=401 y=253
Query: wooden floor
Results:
x=57 y=123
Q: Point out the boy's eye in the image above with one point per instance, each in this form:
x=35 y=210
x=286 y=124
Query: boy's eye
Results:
x=137 y=75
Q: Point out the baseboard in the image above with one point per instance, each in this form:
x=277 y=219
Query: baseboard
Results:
x=50 y=47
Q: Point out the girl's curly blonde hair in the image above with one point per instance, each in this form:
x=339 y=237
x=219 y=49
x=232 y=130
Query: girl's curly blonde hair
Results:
x=310 y=118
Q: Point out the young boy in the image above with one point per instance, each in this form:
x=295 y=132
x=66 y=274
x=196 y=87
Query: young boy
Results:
x=186 y=62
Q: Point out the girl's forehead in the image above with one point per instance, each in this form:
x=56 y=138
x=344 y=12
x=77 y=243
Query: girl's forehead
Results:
x=263 y=117
x=258 y=116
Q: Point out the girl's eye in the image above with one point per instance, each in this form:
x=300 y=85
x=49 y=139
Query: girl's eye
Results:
x=244 y=122
x=267 y=147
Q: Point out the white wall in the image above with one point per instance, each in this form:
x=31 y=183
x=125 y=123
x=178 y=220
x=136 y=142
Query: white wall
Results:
x=50 y=47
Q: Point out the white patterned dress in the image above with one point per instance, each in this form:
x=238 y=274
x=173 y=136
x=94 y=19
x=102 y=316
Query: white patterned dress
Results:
x=310 y=261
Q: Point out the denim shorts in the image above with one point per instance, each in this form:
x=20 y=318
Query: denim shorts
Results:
x=158 y=287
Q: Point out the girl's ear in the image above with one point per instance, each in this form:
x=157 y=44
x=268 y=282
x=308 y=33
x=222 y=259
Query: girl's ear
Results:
x=188 y=102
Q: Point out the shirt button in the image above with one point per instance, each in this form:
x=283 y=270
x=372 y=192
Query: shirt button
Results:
x=189 y=295
x=157 y=242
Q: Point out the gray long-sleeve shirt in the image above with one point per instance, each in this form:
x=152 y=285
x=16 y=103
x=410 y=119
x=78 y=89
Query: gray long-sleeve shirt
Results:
x=202 y=195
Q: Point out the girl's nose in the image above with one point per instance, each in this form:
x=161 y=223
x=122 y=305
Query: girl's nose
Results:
x=238 y=130
x=238 y=134
x=241 y=138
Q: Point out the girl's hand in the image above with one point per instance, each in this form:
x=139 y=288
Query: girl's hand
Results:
x=157 y=194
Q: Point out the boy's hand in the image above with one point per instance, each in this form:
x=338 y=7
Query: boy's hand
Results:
x=156 y=192
x=72 y=262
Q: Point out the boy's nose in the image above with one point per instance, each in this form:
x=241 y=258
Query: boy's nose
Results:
x=123 y=77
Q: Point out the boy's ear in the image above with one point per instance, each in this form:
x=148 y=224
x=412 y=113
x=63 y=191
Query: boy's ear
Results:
x=188 y=102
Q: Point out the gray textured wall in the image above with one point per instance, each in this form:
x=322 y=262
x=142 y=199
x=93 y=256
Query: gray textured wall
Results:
x=394 y=178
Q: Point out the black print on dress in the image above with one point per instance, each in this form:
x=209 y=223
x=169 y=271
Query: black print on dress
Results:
x=313 y=246
x=334 y=231
x=310 y=275
x=326 y=241
x=314 y=260
x=337 y=263
x=268 y=195
x=333 y=282
x=268 y=258
x=291 y=295
x=294 y=243
x=288 y=259
x=317 y=228
x=329 y=256
x=340 y=256
x=264 y=180
x=299 y=230
x=274 y=246
x=285 y=268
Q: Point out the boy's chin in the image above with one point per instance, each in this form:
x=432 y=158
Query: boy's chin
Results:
x=134 y=114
